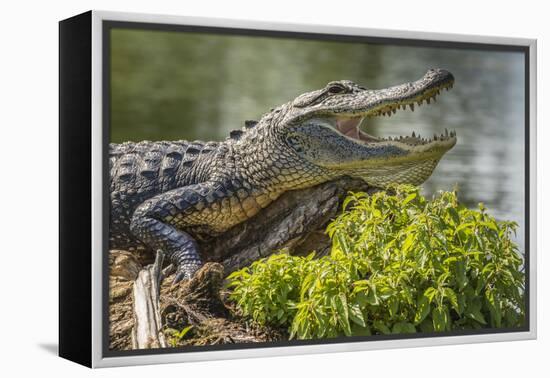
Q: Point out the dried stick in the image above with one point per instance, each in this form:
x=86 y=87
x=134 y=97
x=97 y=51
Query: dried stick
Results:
x=147 y=321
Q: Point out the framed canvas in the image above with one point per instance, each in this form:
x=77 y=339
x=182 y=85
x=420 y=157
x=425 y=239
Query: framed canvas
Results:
x=233 y=189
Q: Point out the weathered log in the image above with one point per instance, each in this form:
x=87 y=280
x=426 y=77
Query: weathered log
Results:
x=147 y=331
x=296 y=222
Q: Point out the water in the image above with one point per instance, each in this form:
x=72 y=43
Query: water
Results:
x=168 y=85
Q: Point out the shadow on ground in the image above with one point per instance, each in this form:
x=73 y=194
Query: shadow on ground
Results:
x=51 y=348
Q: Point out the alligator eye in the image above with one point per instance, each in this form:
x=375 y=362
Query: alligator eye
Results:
x=335 y=89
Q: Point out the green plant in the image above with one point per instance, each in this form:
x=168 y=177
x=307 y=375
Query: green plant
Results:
x=176 y=336
x=399 y=263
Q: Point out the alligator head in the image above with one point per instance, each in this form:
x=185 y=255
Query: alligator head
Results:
x=321 y=135
x=326 y=128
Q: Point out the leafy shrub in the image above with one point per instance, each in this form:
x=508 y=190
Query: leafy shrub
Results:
x=398 y=264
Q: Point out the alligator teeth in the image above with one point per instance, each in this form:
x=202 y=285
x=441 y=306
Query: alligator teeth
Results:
x=411 y=106
x=394 y=110
x=428 y=100
x=413 y=135
x=446 y=132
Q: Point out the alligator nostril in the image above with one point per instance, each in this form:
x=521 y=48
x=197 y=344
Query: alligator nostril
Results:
x=439 y=73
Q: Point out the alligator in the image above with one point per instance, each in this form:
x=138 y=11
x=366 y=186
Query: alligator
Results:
x=167 y=195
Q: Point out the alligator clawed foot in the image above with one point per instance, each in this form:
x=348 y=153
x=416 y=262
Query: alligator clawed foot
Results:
x=185 y=273
x=181 y=276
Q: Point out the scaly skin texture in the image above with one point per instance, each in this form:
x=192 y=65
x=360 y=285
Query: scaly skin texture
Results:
x=165 y=195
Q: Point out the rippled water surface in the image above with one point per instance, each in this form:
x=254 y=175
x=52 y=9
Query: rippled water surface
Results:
x=168 y=85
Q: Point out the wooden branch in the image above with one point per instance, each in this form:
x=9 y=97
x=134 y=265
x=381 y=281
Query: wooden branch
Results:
x=147 y=321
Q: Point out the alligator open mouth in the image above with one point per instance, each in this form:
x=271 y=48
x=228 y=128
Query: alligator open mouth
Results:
x=354 y=125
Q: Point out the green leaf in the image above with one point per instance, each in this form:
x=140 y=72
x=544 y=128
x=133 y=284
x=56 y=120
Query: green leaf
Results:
x=360 y=299
x=461 y=277
x=381 y=327
x=407 y=244
x=372 y=298
x=451 y=296
x=427 y=326
x=422 y=309
x=409 y=198
x=342 y=242
x=440 y=319
x=343 y=314
x=511 y=318
x=356 y=315
x=430 y=293
x=491 y=225
x=347 y=201
x=181 y=334
x=494 y=308
x=454 y=215
x=306 y=285
x=357 y=330
x=385 y=292
x=403 y=327
x=476 y=315
x=473 y=311
x=463 y=226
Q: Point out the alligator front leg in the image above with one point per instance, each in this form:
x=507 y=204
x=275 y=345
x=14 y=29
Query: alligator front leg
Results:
x=158 y=221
